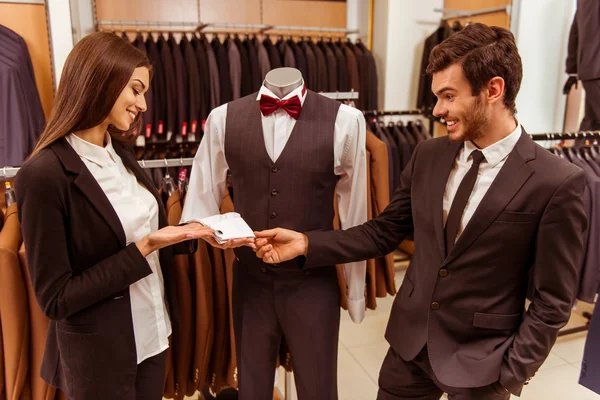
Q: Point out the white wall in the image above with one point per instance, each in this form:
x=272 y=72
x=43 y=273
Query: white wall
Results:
x=61 y=38
x=401 y=27
x=542 y=35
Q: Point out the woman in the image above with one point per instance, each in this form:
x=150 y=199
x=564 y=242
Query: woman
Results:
x=98 y=248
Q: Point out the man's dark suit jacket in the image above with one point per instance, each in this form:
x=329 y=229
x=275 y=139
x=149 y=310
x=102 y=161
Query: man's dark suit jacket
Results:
x=468 y=306
x=584 y=42
x=81 y=268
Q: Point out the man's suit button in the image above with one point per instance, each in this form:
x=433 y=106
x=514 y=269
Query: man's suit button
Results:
x=274 y=170
x=273 y=215
x=443 y=272
x=274 y=192
x=435 y=305
x=263 y=269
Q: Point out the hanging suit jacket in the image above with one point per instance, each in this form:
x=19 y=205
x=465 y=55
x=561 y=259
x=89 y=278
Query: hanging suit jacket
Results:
x=247 y=77
x=205 y=81
x=170 y=79
x=159 y=90
x=264 y=62
x=300 y=58
x=148 y=116
x=64 y=215
x=353 y=74
x=274 y=58
x=332 y=68
x=235 y=68
x=425 y=98
x=226 y=94
x=194 y=89
x=322 y=76
x=215 y=75
x=2 y=387
x=343 y=80
x=22 y=120
x=229 y=258
x=204 y=328
x=583 y=56
x=38 y=328
x=379 y=200
x=472 y=316
x=371 y=78
x=254 y=64
x=181 y=88
x=183 y=333
x=14 y=312
x=311 y=64
x=590 y=366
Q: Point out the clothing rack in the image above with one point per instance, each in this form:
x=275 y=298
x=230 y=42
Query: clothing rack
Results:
x=470 y=13
x=23 y=1
x=199 y=26
x=340 y=95
x=570 y=136
x=11 y=172
x=378 y=113
x=565 y=135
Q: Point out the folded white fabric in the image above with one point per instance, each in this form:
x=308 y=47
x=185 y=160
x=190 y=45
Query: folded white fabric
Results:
x=228 y=226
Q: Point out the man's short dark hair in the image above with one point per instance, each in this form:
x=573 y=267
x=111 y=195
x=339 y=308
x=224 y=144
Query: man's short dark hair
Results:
x=483 y=52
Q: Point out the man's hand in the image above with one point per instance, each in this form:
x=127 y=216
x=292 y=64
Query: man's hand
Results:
x=279 y=245
x=572 y=80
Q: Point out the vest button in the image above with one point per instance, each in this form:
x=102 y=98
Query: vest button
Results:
x=273 y=215
x=274 y=170
x=435 y=306
x=274 y=192
x=263 y=269
x=443 y=272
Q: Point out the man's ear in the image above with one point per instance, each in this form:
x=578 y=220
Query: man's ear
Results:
x=495 y=89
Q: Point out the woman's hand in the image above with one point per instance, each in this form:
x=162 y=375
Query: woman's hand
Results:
x=171 y=235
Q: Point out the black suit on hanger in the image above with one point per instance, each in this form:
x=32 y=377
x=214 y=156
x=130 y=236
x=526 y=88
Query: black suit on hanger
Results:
x=24 y=124
x=312 y=80
x=182 y=87
x=370 y=78
x=274 y=57
x=159 y=89
x=205 y=79
x=343 y=80
x=254 y=66
x=332 y=68
x=194 y=87
x=322 y=77
x=246 y=67
x=301 y=63
x=148 y=117
x=226 y=94
x=171 y=89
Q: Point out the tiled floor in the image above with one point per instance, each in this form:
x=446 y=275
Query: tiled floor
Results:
x=363 y=347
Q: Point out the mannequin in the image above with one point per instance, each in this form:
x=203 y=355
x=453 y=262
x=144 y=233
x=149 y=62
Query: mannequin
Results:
x=282 y=81
x=283 y=162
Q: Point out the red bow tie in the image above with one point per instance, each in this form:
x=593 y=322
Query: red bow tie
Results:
x=268 y=105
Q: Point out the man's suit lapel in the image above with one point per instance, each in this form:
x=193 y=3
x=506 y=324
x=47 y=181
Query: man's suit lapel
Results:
x=88 y=185
x=507 y=184
x=442 y=173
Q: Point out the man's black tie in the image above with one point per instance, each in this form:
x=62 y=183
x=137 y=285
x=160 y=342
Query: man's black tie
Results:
x=460 y=201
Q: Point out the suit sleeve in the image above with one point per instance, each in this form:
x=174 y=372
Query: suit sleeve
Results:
x=59 y=292
x=559 y=250
x=375 y=238
x=572 y=47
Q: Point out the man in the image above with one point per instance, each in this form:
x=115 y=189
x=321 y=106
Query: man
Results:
x=583 y=60
x=489 y=209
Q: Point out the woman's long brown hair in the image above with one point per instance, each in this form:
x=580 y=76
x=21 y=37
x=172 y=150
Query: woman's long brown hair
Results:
x=94 y=75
